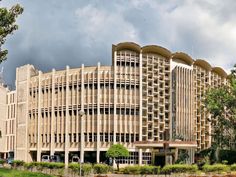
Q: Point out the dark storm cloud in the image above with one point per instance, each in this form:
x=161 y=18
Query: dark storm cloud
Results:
x=57 y=33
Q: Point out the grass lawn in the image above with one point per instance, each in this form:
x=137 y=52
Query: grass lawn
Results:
x=16 y=173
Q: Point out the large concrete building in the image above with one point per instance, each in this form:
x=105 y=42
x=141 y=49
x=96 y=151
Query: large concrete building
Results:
x=150 y=100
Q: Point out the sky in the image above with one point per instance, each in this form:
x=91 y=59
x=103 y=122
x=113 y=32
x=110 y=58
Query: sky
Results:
x=56 y=33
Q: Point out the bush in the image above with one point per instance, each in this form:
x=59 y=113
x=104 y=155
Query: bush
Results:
x=145 y=170
x=228 y=155
x=179 y=168
x=18 y=163
x=29 y=165
x=40 y=165
x=2 y=161
x=101 y=169
x=55 y=165
x=215 y=168
x=74 y=166
x=134 y=170
x=233 y=167
x=86 y=168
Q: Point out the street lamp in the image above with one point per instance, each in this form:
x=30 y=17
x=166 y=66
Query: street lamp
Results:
x=81 y=113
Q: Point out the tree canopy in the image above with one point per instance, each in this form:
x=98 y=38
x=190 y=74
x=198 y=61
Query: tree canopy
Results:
x=8 y=25
x=117 y=151
x=221 y=103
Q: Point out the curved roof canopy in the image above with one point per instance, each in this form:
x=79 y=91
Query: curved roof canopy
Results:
x=156 y=49
x=219 y=71
x=204 y=64
x=183 y=56
x=129 y=46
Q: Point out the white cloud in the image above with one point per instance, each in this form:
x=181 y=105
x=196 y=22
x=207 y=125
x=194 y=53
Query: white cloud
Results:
x=104 y=26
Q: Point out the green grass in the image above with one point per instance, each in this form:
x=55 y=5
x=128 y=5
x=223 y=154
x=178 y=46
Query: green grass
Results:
x=16 y=173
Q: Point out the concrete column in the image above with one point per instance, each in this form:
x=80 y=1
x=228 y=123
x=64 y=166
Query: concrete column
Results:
x=98 y=114
x=115 y=97
x=81 y=117
x=52 y=150
x=67 y=119
x=141 y=98
x=140 y=156
x=39 y=120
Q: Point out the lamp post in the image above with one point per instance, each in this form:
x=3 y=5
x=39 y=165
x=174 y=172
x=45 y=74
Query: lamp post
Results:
x=81 y=113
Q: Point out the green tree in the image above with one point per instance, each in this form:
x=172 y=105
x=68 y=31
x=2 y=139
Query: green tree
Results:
x=221 y=103
x=116 y=151
x=8 y=25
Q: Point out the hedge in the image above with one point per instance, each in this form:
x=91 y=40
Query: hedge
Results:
x=149 y=170
x=146 y=169
x=39 y=165
x=86 y=168
x=17 y=163
x=228 y=155
x=179 y=168
x=233 y=167
x=2 y=161
x=101 y=168
x=134 y=170
x=216 y=168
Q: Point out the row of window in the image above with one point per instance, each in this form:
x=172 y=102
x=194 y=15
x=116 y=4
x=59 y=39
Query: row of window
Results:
x=128 y=64
x=86 y=86
x=106 y=111
x=133 y=158
x=88 y=137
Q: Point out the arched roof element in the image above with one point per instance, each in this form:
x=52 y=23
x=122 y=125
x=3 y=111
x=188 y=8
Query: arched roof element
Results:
x=183 y=56
x=129 y=46
x=156 y=49
x=204 y=64
x=219 y=71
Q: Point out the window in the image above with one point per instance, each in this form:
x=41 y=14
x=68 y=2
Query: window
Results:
x=74 y=137
x=106 y=137
x=55 y=138
x=90 y=137
x=85 y=137
x=95 y=137
x=127 y=137
x=101 y=137
x=122 y=137
x=117 y=137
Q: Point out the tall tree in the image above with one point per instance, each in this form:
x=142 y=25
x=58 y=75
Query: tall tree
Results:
x=8 y=25
x=116 y=151
x=221 y=103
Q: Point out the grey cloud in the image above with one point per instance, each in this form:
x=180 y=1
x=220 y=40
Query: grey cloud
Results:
x=60 y=33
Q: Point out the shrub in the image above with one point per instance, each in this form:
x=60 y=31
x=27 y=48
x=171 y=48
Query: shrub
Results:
x=86 y=168
x=144 y=170
x=215 y=168
x=29 y=165
x=228 y=155
x=74 y=166
x=233 y=167
x=134 y=170
x=18 y=163
x=2 y=161
x=179 y=168
x=55 y=165
x=101 y=168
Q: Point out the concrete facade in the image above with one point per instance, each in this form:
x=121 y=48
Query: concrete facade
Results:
x=148 y=99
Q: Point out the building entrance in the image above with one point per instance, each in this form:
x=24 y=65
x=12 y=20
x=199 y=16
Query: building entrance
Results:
x=90 y=156
x=159 y=160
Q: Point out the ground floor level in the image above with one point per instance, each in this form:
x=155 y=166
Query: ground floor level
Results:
x=156 y=153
